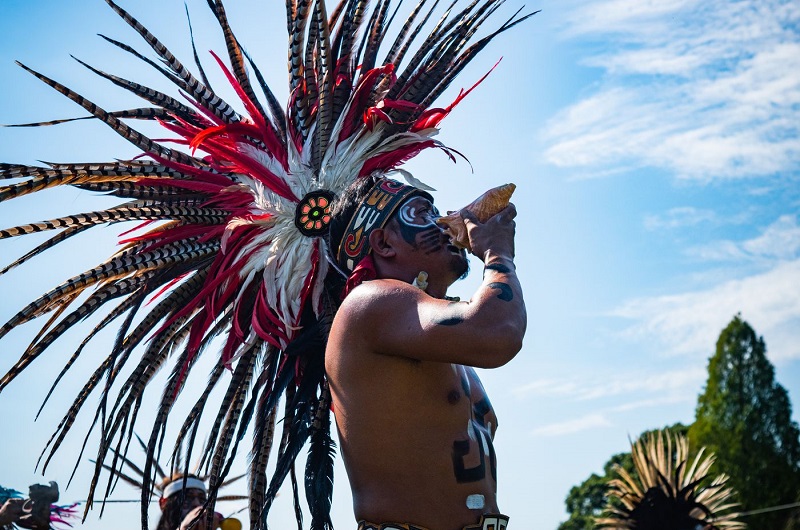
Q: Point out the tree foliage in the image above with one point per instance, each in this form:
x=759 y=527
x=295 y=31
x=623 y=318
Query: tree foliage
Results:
x=586 y=501
x=744 y=416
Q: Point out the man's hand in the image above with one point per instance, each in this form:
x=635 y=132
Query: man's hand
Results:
x=495 y=236
x=196 y=520
x=11 y=511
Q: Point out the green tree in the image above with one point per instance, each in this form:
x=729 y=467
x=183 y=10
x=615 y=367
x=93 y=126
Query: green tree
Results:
x=744 y=416
x=586 y=501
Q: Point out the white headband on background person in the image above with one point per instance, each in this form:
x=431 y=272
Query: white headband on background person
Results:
x=174 y=487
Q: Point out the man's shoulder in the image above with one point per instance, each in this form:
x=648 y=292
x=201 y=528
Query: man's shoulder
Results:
x=374 y=291
x=377 y=296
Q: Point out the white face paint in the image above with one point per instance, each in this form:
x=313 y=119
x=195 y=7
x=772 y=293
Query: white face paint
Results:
x=418 y=214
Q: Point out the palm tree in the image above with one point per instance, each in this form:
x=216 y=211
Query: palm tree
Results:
x=669 y=494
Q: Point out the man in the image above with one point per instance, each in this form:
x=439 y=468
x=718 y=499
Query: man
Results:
x=36 y=512
x=182 y=503
x=414 y=421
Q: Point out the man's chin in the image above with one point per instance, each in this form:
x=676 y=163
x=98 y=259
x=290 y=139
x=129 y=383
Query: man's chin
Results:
x=461 y=266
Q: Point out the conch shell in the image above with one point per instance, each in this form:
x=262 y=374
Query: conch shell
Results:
x=484 y=207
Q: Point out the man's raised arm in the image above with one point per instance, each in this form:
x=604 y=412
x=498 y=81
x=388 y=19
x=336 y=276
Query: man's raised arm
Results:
x=485 y=331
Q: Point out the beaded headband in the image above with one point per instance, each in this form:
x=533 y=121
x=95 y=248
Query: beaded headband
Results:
x=374 y=212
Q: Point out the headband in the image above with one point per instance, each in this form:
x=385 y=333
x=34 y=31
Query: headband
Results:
x=374 y=212
x=177 y=485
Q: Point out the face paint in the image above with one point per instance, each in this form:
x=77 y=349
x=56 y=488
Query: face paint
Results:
x=417 y=221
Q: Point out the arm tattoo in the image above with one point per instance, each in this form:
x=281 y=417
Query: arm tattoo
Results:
x=453 y=320
x=505 y=294
x=499 y=267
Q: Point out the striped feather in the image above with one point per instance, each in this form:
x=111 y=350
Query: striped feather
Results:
x=114 y=268
x=241 y=379
x=163 y=101
x=319 y=465
x=145 y=113
x=41 y=183
x=397 y=46
x=177 y=81
x=325 y=96
x=134 y=190
x=296 y=67
x=278 y=119
x=262 y=445
x=365 y=43
x=50 y=243
x=235 y=54
x=135 y=137
x=114 y=314
x=228 y=401
x=200 y=92
x=46 y=177
x=192 y=419
x=117 y=289
x=119 y=214
x=194 y=50
x=131 y=168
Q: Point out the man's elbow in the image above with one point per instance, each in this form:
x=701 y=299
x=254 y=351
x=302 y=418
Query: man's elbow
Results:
x=506 y=344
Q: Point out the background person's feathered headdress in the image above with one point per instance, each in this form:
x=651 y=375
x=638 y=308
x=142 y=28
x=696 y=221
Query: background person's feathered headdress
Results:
x=237 y=221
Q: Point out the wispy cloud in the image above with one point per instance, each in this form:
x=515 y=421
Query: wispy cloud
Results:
x=634 y=387
x=706 y=88
x=633 y=391
x=689 y=323
x=779 y=241
x=680 y=218
x=584 y=423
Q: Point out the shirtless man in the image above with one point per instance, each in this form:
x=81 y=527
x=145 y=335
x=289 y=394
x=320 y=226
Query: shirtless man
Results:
x=414 y=421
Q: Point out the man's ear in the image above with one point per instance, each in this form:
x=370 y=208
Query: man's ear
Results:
x=380 y=243
x=162 y=502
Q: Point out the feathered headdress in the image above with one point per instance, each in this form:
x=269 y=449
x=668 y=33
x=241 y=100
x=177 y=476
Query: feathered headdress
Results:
x=669 y=490
x=236 y=245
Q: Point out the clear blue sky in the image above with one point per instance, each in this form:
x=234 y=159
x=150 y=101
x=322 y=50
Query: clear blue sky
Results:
x=656 y=153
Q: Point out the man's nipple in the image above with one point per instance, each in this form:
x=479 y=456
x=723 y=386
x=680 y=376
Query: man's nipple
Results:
x=453 y=397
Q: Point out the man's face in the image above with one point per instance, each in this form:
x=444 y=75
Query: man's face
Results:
x=192 y=498
x=416 y=223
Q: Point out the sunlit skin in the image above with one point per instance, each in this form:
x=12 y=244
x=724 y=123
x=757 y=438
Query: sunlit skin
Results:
x=414 y=421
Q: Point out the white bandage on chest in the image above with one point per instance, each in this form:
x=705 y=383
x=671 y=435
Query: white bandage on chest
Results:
x=475 y=501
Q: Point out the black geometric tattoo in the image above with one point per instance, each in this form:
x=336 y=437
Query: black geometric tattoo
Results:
x=506 y=294
x=499 y=267
x=463 y=473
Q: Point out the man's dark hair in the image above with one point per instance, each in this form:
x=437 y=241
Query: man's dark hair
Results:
x=172 y=513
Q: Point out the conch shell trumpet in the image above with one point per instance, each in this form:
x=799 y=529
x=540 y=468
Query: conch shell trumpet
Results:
x=484 y=207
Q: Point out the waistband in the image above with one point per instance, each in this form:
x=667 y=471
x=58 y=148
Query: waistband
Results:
x=494 y=521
